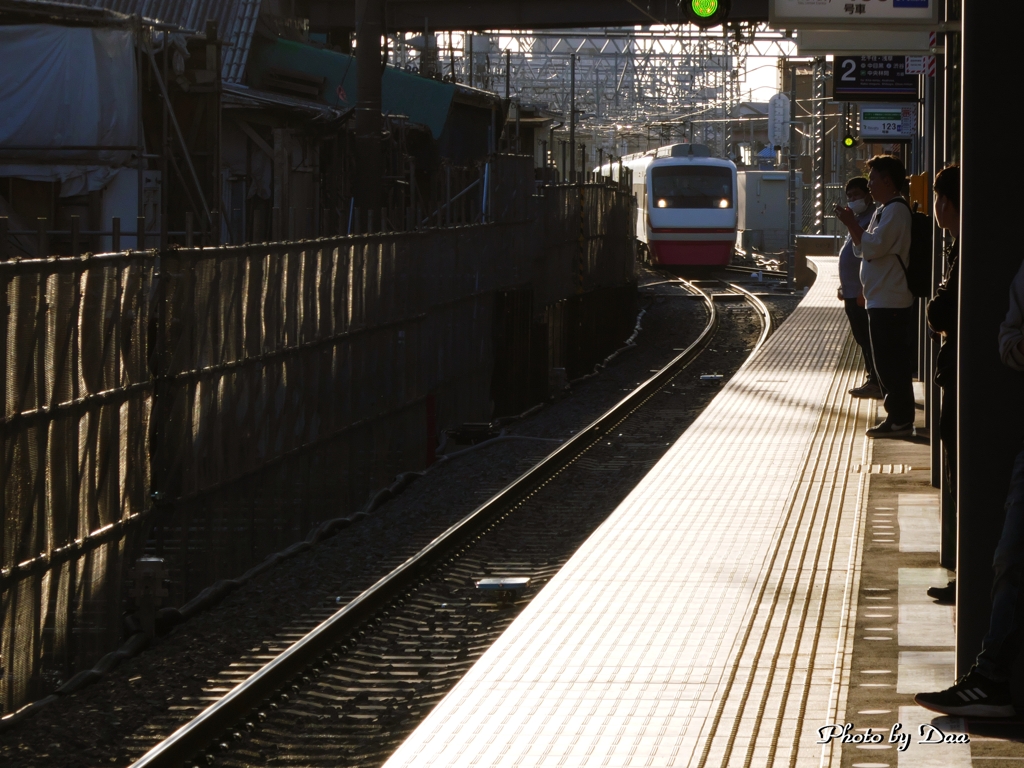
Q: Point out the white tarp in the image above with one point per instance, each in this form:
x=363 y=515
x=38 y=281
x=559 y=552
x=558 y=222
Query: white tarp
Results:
x=63 y=87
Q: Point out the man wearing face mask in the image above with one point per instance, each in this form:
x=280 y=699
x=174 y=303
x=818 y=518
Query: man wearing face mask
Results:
x=884 y=249
x=851 y=292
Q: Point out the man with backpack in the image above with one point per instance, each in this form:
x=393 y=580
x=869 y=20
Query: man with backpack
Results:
x=884 y=249
x=851 y=292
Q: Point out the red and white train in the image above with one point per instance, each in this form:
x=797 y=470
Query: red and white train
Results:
x=686 y=204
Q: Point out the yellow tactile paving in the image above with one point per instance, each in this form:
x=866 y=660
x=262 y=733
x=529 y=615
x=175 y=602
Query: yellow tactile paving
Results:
x=706 y=622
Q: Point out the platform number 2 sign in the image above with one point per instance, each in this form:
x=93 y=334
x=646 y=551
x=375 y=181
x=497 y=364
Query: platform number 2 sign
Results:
x=848 y=67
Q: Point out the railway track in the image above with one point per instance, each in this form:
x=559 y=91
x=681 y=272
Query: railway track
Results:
x=347 y=685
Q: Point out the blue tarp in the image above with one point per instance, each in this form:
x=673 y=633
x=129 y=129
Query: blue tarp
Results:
x=421 y=99
x=67 y=87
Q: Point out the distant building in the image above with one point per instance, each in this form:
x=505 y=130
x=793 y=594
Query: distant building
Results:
x=749 y=133
x=239 y=132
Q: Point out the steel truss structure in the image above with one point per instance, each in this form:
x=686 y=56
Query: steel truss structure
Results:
x=632 y=76
x=821 y=75
x=635 y=87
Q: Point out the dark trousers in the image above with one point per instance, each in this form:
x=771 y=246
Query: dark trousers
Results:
x=1002 y=644
x=858 y=317
x=947 y=433
x=892 y=348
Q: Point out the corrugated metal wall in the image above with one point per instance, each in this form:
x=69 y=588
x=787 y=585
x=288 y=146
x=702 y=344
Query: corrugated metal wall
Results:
x=236 y=22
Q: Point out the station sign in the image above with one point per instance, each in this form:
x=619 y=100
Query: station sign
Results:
x=843 y=14
x=888 y=122
x=873 y=78
x=779 y=115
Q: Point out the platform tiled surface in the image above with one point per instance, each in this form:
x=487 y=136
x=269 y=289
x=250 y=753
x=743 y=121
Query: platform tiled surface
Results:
x=904 y=642
x=706 y=623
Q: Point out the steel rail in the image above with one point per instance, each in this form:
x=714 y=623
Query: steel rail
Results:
x=196 y=735
x=748 y=270
x=762 y=308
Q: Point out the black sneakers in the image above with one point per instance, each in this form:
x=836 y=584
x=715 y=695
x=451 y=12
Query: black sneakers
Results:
x=868 y=390
x=889 y=428
x=972 y=696
x=945 y=595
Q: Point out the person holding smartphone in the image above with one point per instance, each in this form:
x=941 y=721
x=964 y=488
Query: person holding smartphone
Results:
x=851 y=292
x=883 y=248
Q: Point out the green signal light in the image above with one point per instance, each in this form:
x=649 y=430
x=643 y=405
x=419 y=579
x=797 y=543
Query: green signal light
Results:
x=849 y=141
x=704 y=8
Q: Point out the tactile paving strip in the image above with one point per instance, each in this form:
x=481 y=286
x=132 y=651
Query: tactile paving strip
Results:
x=699 y=625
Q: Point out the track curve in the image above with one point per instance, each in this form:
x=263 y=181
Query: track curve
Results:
x=431 y=629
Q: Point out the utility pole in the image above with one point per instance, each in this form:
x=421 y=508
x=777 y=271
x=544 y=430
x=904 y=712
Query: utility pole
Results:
x=572 y=117
x=845 y=128
x=451 y=55
x=369 y=22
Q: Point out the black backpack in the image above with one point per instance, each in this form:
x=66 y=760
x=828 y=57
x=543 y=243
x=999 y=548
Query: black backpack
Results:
x=919 y=268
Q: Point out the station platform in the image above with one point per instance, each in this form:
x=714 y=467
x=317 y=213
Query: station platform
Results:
x=764 y=581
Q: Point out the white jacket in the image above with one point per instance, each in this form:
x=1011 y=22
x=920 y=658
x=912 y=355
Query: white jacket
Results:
x=882 y=275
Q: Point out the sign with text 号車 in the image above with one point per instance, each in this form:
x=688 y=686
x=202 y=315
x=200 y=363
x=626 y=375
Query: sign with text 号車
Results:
x=832 y=14
x=888 y=122
x=873 y=78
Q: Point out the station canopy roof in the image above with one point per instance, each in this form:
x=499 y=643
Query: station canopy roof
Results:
x=521 y=14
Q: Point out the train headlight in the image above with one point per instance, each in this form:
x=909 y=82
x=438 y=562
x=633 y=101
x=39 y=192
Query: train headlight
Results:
x=723 y=203
x=663 y=203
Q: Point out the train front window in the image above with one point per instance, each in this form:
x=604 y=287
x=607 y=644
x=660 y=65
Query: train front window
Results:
x=687 y=186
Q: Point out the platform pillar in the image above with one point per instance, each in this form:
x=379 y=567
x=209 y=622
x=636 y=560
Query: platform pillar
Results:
x=939 y=157
x=990 y=406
